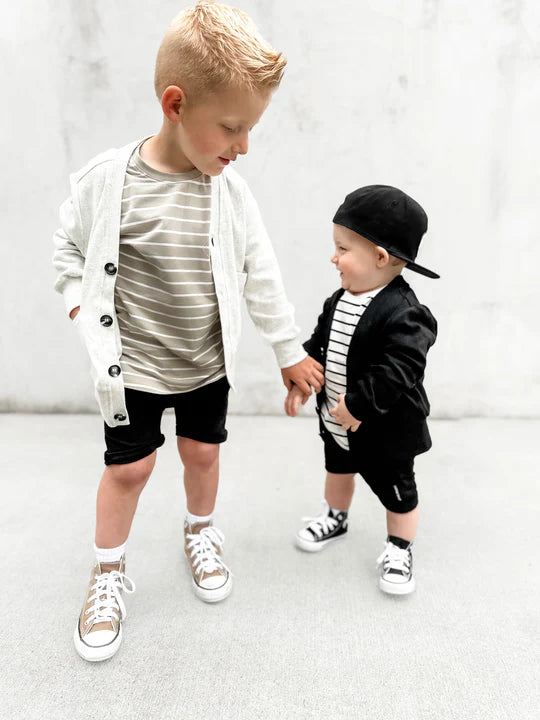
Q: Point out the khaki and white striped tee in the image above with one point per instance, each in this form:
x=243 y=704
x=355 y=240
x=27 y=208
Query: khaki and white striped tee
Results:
x=165 y=296
x=349 y=310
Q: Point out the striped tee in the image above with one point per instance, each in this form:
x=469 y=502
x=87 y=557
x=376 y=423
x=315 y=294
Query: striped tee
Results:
x=165 y=296
x=349 y=310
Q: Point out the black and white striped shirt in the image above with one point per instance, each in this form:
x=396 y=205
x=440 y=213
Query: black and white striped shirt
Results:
x=347 y=314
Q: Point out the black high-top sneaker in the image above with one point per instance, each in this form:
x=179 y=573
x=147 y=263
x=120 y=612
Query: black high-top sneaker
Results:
x=396 y=563
x=322 y=529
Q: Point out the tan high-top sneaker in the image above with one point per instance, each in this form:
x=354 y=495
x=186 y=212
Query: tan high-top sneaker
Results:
x=98 y=634
x=212 y=579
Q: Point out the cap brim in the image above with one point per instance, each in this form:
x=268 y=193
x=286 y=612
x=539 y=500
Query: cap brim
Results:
x=422 y=270
x=414 y=266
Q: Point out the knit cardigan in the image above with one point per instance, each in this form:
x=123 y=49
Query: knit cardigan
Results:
x=243 y=264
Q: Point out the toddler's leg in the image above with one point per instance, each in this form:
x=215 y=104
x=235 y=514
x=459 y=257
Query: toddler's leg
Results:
x=394 y=482
x=331 y=524
x=339 y=490
x=402 y=525
x=212 y=580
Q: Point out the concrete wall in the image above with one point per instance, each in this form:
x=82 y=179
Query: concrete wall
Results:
x=440 y=98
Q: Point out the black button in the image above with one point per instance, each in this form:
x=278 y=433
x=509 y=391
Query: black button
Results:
x=115 y=370
x=120 y=417
x=110 y=269
x=106 y=320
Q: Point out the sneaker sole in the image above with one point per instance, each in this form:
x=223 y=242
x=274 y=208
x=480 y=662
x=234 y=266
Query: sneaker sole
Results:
x=96 y=654
x=316 y=546
x=214 y=595
x=397 y=588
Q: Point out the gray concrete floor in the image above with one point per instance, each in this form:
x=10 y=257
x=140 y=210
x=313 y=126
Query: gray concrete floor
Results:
x=301 y=636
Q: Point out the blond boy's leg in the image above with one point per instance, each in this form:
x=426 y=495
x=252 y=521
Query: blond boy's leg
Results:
x=117 y=498
x=201 y=474
x=98 y=634
x=212 y=580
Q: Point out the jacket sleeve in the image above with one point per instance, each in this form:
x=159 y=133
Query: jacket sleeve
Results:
x=68 y=258
x=314 y=346
x=408 y=335
x=264 y=293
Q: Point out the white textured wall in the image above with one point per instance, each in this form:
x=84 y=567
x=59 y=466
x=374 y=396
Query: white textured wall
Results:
x=439 y=98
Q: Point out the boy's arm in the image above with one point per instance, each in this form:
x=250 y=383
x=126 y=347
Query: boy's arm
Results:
x=267 y=303
x=67 y=257
x=408 y=336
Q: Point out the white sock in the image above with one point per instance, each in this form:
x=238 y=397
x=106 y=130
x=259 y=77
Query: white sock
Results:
x=192 y=519
x=110 y=555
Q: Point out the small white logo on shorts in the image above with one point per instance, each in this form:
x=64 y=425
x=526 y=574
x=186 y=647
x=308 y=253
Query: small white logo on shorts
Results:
x=397 y=492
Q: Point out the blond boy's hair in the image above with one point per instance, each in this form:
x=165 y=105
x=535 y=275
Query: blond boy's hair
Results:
x=210 y=45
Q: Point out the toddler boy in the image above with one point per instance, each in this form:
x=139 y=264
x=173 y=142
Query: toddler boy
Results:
x=158 y=243
x=372 y=338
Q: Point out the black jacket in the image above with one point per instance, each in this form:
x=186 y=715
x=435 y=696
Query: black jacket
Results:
x=385 y=369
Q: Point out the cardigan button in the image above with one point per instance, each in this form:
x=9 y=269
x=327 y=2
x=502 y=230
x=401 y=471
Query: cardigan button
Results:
x=106 y=320
x=115 y=370
x=111 y=269
x=119 y=417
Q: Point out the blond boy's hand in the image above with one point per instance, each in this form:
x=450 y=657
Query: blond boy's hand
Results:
x=292 y=402
x=343 y=416
x=306 y=374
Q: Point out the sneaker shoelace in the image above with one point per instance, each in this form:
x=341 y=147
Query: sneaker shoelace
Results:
x=204 y=548
x=106 y=598
x=395 y=558
x=321 y=524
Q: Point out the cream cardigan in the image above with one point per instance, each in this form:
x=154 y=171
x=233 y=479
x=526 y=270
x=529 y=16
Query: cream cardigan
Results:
x=243 y=263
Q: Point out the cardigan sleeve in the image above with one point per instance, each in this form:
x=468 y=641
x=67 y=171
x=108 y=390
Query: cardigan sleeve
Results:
x=408 y=335
x=68 y=258
x=264 y=293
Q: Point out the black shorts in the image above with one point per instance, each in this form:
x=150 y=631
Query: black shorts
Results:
x=390 y=478
x=200 y=415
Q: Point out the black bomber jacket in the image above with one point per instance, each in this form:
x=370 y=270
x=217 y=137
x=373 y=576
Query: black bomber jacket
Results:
x=385 y=369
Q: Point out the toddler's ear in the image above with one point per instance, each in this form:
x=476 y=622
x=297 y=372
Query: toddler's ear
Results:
x=383 y=258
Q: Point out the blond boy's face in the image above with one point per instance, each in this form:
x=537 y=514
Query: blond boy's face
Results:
x=357 y=261
x=213 y=132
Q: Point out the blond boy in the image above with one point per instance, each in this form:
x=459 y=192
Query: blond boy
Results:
x=158 y=243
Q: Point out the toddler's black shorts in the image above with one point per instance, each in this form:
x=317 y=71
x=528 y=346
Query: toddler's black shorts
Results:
x=390 y=478
x=200 y=415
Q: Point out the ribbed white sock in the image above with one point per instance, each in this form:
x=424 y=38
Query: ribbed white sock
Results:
x=110 y=555
x=192 y=519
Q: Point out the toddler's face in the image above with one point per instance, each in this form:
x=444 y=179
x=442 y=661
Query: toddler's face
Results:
x=215 y=131
x=355 y=258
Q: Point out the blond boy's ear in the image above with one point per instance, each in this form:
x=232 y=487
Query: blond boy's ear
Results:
x=172 y=101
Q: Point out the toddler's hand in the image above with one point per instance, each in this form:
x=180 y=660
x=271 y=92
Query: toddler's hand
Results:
x=343 y=416
x=292 y=402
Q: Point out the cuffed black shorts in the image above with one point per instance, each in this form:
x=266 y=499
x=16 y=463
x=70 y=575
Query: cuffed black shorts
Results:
x=200 y=415
x=390 y=478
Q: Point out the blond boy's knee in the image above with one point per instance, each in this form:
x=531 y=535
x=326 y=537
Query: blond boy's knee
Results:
x=135 y=474
x=197 y=455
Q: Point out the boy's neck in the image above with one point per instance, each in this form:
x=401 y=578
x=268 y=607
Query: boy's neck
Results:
x=161 y=152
